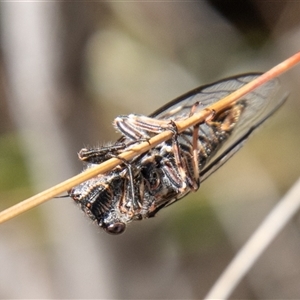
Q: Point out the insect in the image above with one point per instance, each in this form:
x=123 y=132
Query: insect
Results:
x=139 y=188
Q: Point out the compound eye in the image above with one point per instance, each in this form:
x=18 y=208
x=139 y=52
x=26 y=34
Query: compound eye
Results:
x=116 y=228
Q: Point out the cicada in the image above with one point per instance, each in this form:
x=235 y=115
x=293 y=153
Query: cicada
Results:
x=139 y=188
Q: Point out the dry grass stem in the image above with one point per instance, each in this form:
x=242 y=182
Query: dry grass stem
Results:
x=281 y=214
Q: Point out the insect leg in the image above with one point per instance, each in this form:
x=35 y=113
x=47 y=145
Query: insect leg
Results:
x=196 y=180
x=136 y=127
x=193 y=109
x=98 y=155
x=128 y=165
x=181 y=166
x=227 y=119
x=195 y=156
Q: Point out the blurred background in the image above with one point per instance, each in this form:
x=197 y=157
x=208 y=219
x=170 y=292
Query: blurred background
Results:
x=67 y=70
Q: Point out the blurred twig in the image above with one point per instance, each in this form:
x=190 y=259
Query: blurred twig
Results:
x=257 y=244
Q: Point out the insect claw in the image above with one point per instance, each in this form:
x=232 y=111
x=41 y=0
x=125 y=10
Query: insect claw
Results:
x=211 y=116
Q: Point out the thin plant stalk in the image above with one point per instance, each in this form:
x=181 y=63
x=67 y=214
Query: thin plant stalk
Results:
x=281 y=214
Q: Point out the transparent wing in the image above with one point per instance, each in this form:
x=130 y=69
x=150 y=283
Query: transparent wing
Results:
x=259 y=105
x=208 y=94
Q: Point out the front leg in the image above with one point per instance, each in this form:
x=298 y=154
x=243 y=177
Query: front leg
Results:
x=136 y=127
x=101 y=154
